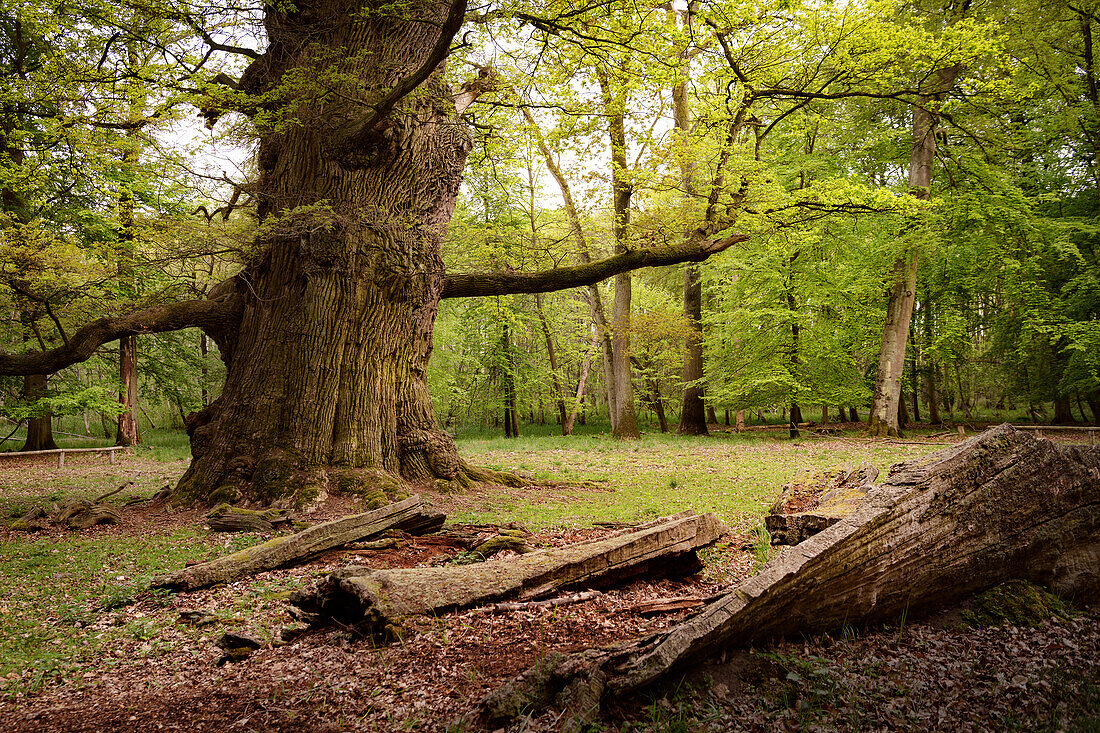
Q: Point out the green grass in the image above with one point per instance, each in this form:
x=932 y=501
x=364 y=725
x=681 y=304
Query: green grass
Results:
x=52 y=591
x=737 y=476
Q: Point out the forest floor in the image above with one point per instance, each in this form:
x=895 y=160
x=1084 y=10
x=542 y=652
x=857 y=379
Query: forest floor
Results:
x=85 y=645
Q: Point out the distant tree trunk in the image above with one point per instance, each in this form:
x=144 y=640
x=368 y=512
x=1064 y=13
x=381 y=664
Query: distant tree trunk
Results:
x=39 y=429
x=511 y=419
x=658 y=405
x=727 y=420
x=853 y=415
x=625 y=422
x=1063 y=411
x=711 y=417
x=1094 y=405
x=899 y=307
x=824 y=414
x=740 y=420
x=555 y=380
x=127 y=433
x=903 y=414
x=578 y=401
x=796 y=413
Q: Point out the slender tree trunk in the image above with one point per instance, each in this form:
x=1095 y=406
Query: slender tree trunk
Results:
x=625 y=423
x=559 y=395
x=127 y=433
x=899 y=306
x=693 y=419
x=740 y=421
x=508 y=380
x=824 y=414
x=578 y=401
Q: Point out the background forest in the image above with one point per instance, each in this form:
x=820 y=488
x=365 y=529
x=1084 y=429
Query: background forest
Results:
x=796 y=124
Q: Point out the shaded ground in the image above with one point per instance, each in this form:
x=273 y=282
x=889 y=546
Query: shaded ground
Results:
x=84 y=645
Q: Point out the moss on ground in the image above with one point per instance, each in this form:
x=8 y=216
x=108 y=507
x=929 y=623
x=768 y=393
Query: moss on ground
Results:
x=1016 y=602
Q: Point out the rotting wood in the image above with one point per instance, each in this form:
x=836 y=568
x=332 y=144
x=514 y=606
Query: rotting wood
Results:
x=411 y=515
x=512 y=606
x=820 y=500
x=379 y=598
x=226 y=518
x=1002 y=505
x=658 y=606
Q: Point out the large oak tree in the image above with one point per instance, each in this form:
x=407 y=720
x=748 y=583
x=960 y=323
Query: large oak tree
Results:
x=327 y=329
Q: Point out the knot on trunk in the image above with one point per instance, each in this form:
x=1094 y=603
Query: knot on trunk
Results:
x=429 y=454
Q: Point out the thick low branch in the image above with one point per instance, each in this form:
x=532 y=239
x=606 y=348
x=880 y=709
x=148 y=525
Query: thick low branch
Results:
x=474 y=285
x=214 y=315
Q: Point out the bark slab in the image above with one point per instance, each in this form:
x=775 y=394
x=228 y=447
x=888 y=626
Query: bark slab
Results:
x=411 y=515
x=999 y=506
x=382 y=597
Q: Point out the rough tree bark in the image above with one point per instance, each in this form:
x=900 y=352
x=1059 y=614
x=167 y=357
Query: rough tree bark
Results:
x=903 y=288
x=999 y=506
x=625 y=421
x=39 y=429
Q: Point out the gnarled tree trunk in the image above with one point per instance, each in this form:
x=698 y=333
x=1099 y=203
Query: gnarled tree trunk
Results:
x=327 y=365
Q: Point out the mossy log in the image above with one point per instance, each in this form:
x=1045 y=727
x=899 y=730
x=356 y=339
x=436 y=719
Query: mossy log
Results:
x=379 y=598
x=82 y=514
x=411 y=515
x=999 y=506
x=226 y=518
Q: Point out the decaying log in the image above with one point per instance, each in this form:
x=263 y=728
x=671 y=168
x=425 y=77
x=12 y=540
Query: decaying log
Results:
x=999 y=506
x=411 y=515
x=511 y=606
x=29 y=522
x=816 y=501
x=226 y=518
x=379 y=598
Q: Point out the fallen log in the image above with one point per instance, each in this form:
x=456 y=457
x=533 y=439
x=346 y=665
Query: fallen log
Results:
x=411 y=515
x=999 y=506
x=379 y=598
x=817 y=501
x=226 y=518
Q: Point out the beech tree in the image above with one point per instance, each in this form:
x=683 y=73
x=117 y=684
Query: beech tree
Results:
x=327 y=329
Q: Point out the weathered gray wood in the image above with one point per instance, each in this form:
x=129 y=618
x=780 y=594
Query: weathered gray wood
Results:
x=411 y=515
x=999 y=506
x=384 y=596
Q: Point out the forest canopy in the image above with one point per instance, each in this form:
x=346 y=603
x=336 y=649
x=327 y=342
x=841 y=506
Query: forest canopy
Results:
x=260 y=221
